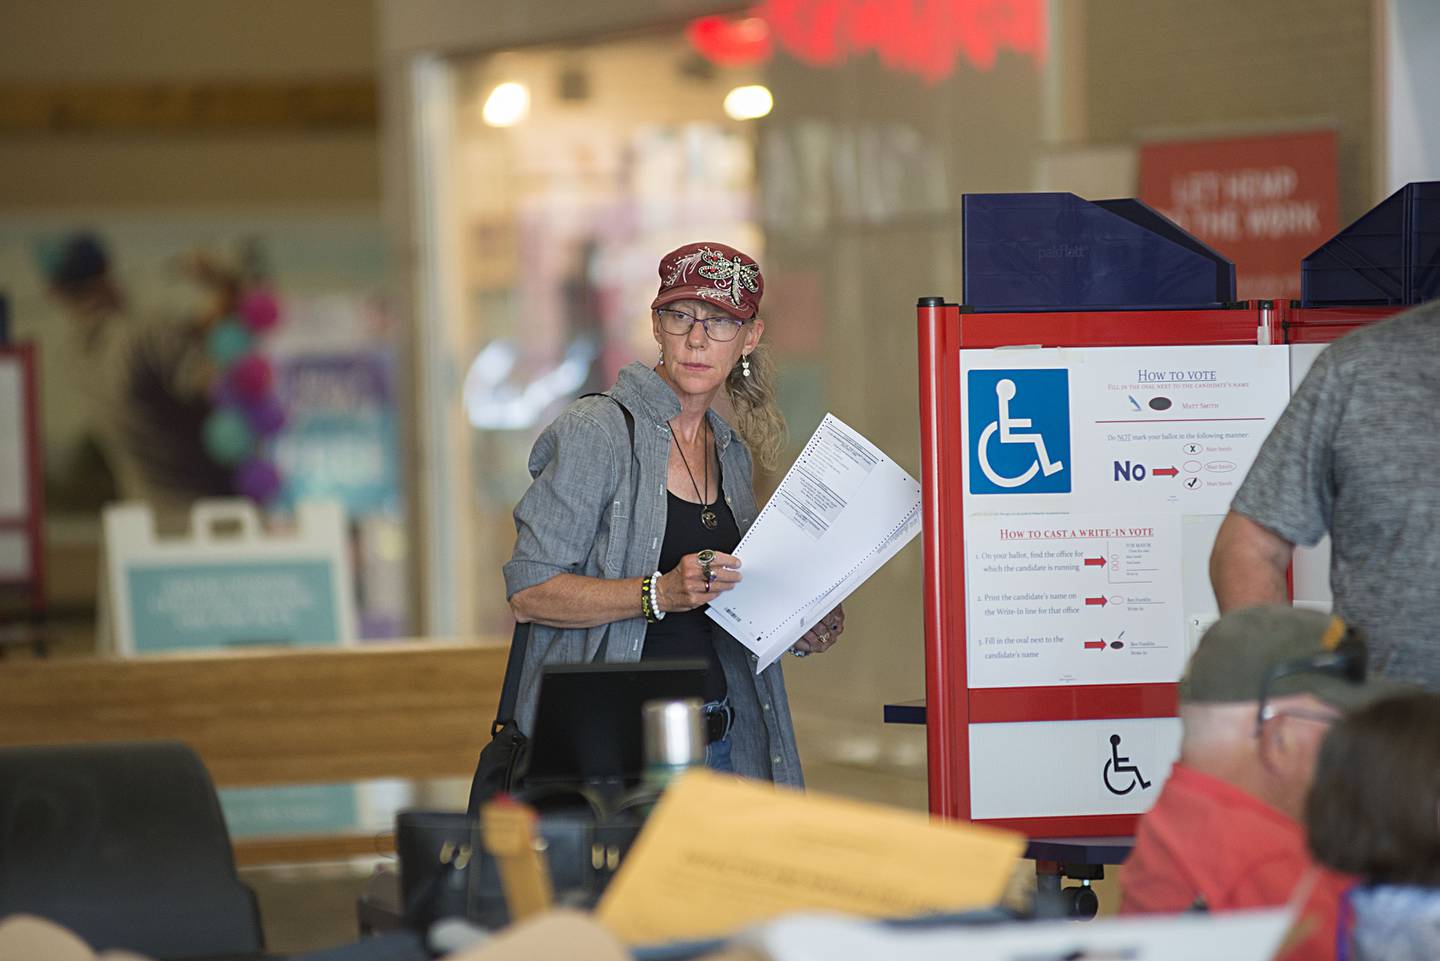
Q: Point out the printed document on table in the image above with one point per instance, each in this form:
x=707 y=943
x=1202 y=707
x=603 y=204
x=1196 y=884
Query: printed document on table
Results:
x=842 y=511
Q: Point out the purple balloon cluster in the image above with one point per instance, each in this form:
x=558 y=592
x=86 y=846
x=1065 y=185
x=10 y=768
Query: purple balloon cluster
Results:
x=246 y=413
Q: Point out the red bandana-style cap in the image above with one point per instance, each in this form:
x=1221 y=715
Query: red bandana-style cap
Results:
x=715 y=273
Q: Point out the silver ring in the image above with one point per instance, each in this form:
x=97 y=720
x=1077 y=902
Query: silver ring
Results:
x=705 y=557
x=824 y=638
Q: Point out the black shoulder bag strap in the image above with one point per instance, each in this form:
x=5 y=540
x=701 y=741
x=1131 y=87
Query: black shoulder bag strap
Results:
x=520 y=640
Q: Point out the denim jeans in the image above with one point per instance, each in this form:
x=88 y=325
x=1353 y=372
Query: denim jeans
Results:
x=717 y=756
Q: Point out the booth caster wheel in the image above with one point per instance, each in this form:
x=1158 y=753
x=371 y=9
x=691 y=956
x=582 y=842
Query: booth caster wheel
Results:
x=1080 y=902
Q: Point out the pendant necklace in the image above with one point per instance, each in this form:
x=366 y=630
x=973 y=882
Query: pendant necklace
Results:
x=707 y=516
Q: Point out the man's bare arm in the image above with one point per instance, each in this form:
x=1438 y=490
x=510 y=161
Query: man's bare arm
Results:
x=1248 y=564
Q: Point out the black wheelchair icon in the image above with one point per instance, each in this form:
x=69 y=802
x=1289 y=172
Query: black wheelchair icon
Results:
x=1118 y=765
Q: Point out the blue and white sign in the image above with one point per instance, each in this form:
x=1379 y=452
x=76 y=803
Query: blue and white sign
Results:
x=1019 y=431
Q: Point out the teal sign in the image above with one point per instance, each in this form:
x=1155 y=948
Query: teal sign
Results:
x=252 y=812
x=177 y=607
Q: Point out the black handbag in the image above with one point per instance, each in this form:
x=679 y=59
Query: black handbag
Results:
x=502 y=762
x=445 y=870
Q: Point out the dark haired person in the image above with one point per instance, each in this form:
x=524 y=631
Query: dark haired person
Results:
x=145 y=383
x=1350 y=458
x=1256 y=700
x=638 y=500
x=1374 y=812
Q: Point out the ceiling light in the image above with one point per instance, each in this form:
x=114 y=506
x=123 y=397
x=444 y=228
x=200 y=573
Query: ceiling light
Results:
x=507 y=105
x=748 y=103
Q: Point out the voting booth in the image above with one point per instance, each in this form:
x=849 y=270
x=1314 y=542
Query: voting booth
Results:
x=1077 y=459
x=1086 y=417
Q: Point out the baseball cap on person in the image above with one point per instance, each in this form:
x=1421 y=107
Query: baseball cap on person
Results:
x=715 y=273
x=1324 y=657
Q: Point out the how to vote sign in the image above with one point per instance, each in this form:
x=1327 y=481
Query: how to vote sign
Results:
x=1019 y=431
x=1095 y=481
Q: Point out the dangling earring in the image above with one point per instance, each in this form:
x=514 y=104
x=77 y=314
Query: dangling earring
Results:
x=661 y=361
x=745 y=366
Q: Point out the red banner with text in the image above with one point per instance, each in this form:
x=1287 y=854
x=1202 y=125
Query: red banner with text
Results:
x=1264 y=201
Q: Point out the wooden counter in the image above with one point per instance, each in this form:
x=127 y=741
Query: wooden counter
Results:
x=413 y=710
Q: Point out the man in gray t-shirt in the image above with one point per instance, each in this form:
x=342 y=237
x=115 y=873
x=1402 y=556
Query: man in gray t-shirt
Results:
x=1357 y=455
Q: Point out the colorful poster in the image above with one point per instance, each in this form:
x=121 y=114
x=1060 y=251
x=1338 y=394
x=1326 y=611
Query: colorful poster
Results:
x=339 y=442
x=1263 y=201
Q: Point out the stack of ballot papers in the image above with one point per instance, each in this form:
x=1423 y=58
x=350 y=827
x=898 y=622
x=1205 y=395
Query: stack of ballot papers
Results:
x=841 y=512
x=720 y=853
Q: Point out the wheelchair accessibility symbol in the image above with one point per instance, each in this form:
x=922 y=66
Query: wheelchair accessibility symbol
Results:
x=1019 y=424
x=1117 y=767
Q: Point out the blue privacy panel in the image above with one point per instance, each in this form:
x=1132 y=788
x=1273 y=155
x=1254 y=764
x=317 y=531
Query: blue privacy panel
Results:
x=1389 y=257
x=1055 y=251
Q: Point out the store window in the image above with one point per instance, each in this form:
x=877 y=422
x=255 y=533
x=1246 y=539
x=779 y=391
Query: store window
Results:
x=568 y=171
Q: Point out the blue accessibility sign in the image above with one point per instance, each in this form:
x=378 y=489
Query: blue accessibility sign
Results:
x=1019 y=431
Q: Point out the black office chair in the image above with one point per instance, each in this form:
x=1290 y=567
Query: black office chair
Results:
x=124 y=844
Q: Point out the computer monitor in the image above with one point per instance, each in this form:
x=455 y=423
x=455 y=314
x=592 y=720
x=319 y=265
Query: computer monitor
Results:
x=588 y=720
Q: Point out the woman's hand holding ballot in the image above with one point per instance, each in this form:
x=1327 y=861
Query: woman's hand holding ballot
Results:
x=822 y=636
x=697 y=580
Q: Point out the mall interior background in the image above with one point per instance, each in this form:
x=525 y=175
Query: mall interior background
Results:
x=482 y=274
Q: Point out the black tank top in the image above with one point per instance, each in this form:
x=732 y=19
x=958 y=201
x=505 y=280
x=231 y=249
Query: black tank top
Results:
x=690 y=634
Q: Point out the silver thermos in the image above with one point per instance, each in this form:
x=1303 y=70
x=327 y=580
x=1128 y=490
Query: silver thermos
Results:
x=674 y=733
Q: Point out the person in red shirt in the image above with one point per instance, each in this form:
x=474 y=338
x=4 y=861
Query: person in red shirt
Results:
x=1256 y=701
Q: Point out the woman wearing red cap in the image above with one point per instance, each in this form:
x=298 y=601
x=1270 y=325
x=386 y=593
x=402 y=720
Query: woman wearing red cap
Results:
x=638 y=500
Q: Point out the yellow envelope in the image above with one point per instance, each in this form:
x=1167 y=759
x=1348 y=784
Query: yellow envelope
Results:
x=720 y=853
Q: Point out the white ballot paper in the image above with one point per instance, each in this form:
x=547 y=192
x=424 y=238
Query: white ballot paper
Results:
x=1250 y=935
x=842 y=511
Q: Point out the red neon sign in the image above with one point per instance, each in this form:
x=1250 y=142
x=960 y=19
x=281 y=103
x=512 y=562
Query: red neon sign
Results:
x=730 y=43
x=923 y=37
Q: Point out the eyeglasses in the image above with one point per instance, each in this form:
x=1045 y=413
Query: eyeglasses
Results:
x=1346 y=662
x=716 y=328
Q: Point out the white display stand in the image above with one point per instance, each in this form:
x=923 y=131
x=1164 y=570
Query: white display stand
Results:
x=227 y=584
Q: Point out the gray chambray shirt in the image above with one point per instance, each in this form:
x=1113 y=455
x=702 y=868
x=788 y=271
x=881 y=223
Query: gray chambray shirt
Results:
x=598 y=510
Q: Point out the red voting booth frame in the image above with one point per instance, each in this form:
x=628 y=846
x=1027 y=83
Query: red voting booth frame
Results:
x=950 y=705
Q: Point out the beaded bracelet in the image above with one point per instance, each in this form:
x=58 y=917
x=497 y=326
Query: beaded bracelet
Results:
x=655 y=597
x=647 y=605
x=650 y=598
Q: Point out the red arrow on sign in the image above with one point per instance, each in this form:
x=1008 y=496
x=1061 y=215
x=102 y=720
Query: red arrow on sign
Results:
x=1094 y=562
x=1094 y=645
x=1165 y=471
x=1093 y=601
